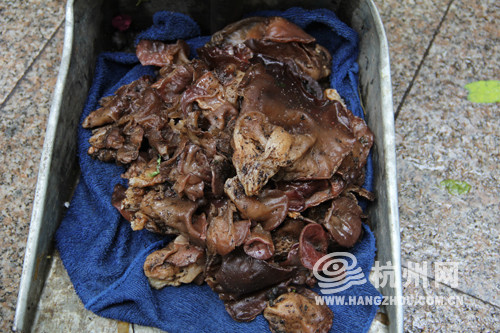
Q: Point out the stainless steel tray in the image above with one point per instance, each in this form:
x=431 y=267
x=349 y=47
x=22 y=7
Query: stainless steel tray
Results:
x=85 y=37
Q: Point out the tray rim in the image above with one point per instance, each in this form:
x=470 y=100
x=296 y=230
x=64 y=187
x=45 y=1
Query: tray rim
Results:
x=32 y=251
x=31 y=256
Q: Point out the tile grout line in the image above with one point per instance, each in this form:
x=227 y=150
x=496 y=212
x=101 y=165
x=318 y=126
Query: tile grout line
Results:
x=11 y=92
x=426 y=53
x=456 y=289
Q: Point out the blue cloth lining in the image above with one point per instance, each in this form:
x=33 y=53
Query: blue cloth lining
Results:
x=104 y=257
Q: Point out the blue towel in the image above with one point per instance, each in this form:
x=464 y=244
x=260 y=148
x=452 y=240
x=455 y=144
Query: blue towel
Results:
x=104 y=257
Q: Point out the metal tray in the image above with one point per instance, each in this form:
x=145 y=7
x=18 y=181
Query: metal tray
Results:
x=85 y=37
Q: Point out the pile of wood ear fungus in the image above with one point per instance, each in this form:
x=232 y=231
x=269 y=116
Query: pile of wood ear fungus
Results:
x=247 y=156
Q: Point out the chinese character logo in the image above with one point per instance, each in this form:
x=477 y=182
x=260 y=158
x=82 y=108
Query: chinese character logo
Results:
x=447 y=273
x=383 y=275
x=337 y=271
x=416 y=273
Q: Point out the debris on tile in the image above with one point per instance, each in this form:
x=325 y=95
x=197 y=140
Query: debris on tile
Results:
x=456 y=187
x=484 y=91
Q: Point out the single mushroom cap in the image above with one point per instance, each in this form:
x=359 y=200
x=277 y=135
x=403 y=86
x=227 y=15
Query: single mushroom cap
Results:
x=298 y=312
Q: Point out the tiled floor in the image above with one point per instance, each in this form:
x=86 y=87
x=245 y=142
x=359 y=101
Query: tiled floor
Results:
x=441 y=135
x=436 y=48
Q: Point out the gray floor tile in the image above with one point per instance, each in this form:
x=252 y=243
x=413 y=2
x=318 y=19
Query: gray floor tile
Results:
x=409 y=26
x=441 y=135
x=437 y=308
x=26 y=27
x=22 y=129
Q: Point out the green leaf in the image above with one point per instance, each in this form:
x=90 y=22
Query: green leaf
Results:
x=484 y=91
x=456 y=187
x=154 y=174
x=157 y=172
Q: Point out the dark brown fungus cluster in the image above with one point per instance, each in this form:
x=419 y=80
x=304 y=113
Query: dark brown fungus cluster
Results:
x=244 y=156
